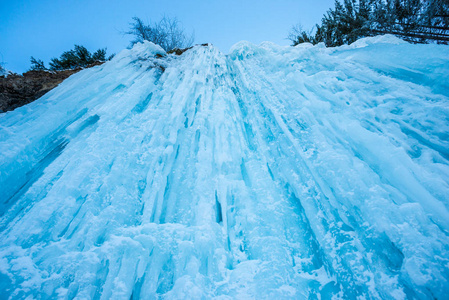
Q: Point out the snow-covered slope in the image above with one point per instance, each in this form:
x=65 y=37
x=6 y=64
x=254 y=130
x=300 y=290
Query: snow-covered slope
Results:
x=272 y=172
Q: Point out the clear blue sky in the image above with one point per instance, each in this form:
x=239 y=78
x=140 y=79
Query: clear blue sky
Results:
x=44 y=28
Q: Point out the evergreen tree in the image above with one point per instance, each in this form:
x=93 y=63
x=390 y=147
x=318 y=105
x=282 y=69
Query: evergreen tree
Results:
x=298 y=36
x=417 y=21
x=37 y=64
x=79 y=57
x=99 y=55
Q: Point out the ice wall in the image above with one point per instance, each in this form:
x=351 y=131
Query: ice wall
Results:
x=272 y=172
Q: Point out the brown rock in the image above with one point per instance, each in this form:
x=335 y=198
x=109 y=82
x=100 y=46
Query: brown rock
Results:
x=18 y=90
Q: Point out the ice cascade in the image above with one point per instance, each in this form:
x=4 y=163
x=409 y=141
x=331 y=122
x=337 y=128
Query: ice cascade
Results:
x=269 y=173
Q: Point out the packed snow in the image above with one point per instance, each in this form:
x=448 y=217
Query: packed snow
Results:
x=268 y=173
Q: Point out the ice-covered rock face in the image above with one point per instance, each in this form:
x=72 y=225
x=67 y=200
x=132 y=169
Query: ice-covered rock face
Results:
x=273 y=172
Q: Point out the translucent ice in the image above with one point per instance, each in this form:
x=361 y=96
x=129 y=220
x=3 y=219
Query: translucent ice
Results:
x=272 y=172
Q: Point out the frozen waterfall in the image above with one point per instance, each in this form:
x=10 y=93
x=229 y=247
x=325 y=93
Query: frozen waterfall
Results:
x=269 y=173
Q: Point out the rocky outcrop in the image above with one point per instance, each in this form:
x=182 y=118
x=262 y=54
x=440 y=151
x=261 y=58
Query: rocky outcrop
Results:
x=17 y=90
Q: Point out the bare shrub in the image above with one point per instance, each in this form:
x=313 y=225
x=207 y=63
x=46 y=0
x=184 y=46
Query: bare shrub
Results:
x=167 y=33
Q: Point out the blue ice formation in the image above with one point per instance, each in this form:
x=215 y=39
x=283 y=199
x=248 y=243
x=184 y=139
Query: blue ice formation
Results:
x=269 y=173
